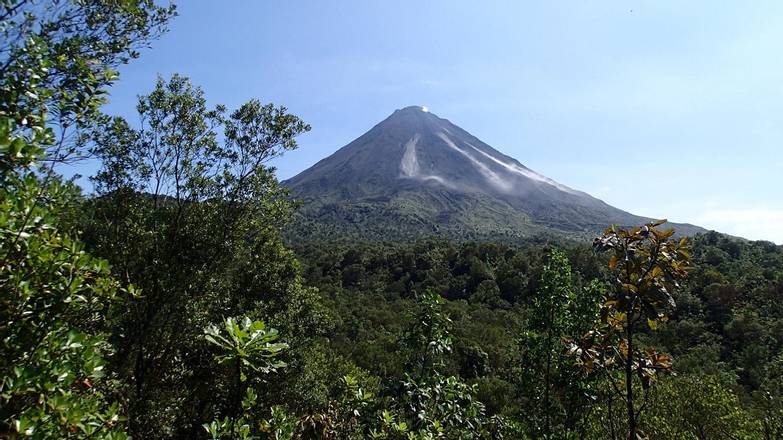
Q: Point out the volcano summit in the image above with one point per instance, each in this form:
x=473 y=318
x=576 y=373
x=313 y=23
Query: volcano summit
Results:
x=415 y=175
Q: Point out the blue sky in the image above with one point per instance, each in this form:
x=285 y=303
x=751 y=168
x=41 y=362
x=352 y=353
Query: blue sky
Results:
x=662 y=108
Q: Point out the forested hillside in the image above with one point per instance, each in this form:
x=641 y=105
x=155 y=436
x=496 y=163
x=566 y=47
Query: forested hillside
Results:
x=725 y=335
x=166 y=304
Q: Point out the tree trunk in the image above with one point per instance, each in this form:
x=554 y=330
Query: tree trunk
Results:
x=547 y=380
x=236 y=401
x=610 y=417
x=629 y=381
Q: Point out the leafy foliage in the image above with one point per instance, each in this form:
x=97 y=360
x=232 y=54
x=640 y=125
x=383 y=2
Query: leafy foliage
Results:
x=698 y=408
x=246 y=347
x=54 y=297
x=205 y=210
x=245 y=344
x=645 y=267
x=55 y=63
x=58 y=57
x=400 y=340
x=557 y=388
x=486 y=348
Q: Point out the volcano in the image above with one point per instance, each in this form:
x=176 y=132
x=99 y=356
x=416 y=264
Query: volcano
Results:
x=416 y=175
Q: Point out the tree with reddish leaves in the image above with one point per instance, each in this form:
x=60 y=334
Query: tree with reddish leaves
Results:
x=645 y=267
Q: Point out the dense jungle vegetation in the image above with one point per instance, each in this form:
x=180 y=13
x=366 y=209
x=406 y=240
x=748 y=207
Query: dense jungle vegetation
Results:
x=168 y=305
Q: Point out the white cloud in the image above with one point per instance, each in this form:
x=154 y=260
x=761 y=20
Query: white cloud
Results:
x=754 y=224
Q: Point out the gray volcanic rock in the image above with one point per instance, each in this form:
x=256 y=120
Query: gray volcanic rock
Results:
x=416 y=175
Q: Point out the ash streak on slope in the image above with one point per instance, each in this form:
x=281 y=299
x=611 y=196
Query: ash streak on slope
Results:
x=492 y=177
x=409 y=166
x=514 y=168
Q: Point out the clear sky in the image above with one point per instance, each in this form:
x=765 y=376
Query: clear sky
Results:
x=661 y=108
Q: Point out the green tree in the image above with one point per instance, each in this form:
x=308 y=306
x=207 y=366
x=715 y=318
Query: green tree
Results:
x=188 y=210
x=53 y=297
x=427 y=402
x=557 y=314
x=428 y=337
x=56 y=61
x=549 y=306
x=58 y=57
x=698 y=408
x=769 y=401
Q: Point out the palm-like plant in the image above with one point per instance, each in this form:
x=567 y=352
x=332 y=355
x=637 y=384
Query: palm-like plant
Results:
x=247 y=346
